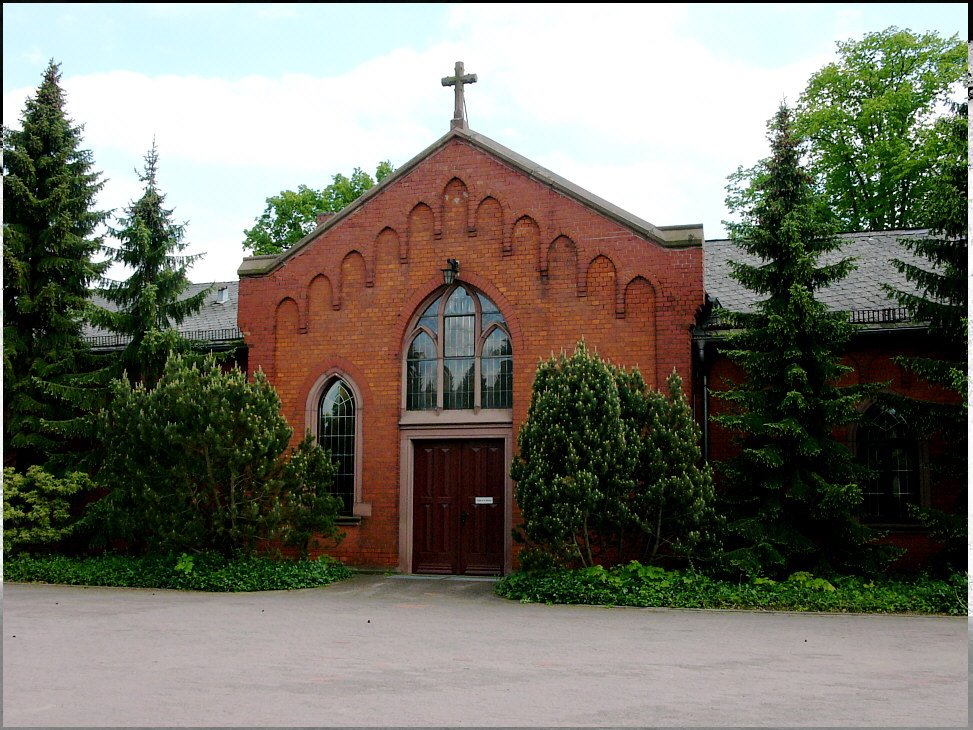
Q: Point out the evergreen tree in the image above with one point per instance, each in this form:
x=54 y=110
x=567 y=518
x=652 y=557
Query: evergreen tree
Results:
x=941 y=296
x=793 y=488
x=941 y=300
x=37 y=509
x=149 y=303
x=49 y=190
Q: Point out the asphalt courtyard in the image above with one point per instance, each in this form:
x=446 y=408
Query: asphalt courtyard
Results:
x=396 y=651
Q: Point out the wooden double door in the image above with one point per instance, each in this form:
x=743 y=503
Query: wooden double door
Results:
x=458 y=514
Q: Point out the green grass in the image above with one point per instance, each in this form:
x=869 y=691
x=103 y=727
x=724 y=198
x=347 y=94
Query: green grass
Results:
x=197 y=572
x=640 y=585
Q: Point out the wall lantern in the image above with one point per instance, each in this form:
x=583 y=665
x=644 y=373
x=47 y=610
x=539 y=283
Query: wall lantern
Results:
x=451 y=271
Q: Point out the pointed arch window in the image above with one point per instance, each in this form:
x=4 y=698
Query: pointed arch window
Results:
x=336 y=433
x=459 y=355
x=888 y=447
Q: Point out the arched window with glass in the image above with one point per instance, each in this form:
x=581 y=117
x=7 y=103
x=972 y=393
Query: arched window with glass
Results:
x=459 y=355
x=891 y=451
x=336 y=433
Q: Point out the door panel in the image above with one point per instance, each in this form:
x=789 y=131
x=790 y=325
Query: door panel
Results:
x=458 y=490
x=482 y=533
x=435 y=524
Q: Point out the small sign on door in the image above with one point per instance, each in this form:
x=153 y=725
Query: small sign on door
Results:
x=484 y=500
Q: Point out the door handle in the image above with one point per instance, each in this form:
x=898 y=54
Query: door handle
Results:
x=462 y=517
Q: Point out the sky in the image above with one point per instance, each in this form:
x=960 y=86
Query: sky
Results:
x=649 y=106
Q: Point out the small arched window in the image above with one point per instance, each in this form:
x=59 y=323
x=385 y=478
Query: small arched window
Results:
x=336 y=433
x=891 y=451
x=459 y=355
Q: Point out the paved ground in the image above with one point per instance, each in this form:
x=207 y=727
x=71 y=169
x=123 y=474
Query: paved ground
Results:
x=405 y=651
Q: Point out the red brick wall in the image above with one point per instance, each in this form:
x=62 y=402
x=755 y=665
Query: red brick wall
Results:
x=558 y=271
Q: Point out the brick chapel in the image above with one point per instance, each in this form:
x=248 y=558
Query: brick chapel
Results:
x=404 y=333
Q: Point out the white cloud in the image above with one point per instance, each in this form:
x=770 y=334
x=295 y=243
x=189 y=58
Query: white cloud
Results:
x=295 y=122
x=620 y=99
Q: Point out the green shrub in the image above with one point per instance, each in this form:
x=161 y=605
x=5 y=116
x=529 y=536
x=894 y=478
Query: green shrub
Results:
x=199 y=572
x=37 y=508
x=949 y=530
x=309 y=508
x=574 y=461
x=673 y=503
x=198 y=463
x=635 y=584
x=608 y=465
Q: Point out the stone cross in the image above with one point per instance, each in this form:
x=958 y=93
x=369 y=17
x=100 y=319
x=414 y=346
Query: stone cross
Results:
x=459 y=109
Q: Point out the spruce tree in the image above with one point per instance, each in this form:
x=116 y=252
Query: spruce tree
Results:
x=940 y=298
x=941 y=285
x=793 y=489
x=149 y=306
x=49 y=241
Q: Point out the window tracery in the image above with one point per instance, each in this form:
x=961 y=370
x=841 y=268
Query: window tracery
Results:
x=459 y=355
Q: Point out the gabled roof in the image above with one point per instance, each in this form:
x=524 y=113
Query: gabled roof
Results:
x=860 y=293
x=214 y=323
x=681 y=236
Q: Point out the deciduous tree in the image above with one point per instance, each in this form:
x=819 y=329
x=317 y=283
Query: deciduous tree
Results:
x=610 y=469
x=870 y=117
x=673 y=505
x=290 y=215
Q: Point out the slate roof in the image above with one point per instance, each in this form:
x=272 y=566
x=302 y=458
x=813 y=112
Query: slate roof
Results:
x=214 y=323
x=860 y=293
